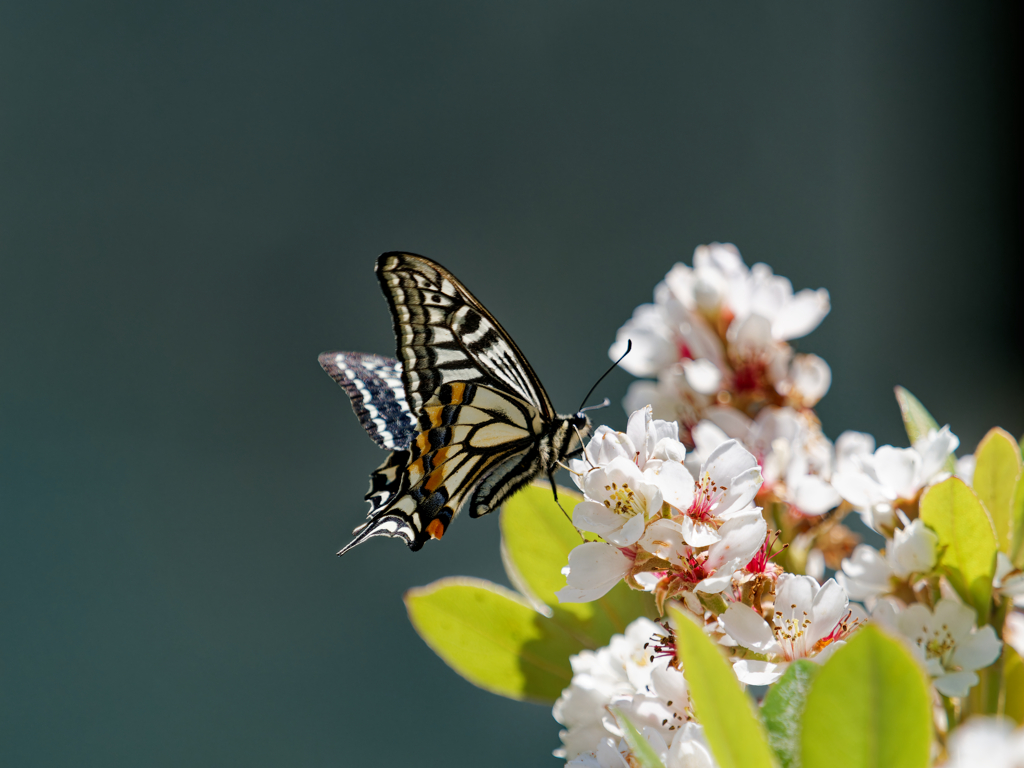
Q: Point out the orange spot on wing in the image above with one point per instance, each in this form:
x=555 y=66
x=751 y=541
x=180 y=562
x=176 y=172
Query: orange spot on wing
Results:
x=435 y=529
x=434 y=414
x=423 y=442
x=458 y=390
x=438 y=474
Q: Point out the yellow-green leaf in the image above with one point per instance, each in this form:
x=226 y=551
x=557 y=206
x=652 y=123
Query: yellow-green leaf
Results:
x=492 y=637
x=732 y=729
x=869 y=707
x=1013 y=684
x=783 y=710
x=536 y=538
x=916 y=419
x=642 y=750
x=997 y=470
x=967 y=543
x=1018 y=524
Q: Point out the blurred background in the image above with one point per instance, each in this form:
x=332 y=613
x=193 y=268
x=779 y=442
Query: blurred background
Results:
x=193 y=195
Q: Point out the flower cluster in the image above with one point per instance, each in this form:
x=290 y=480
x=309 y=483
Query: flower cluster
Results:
x=662 y=529
x=636 y=675
x=724 y=494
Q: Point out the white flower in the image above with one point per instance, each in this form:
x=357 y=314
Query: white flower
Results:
x=946 y=640
x=679 y=338
x=796 y=458
x=727 y=482
x=1013 y=631
x=964 y=468
x=1008 y=579
x=618 y=501
x=986 y=742
x=866 y=575
x=912 y=550
x=869 y=574
x=594 y=568
x=626 y=675
x=809 y=622
x=875 y=482
x=708 y=570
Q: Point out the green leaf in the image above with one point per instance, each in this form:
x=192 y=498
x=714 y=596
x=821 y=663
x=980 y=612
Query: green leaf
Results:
x=917 y=420
x=1017 y=550
x=638 y=745
x=723 y=709
x=995 y=480
x=1013 y=684
x=869 y=707
x=493 y=638
x=967 y=542
x=783 y=710
x=536 y=538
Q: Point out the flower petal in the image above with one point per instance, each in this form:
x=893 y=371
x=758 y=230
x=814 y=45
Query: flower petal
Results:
x=754 y=672
x=955 y=683
x=828 y=608
x=628 y=534
x=664 y=538
x=979 y=650
x=674 y=482
x=594 y=568
x=596 y=518
x=698 y=534
x=747 y=628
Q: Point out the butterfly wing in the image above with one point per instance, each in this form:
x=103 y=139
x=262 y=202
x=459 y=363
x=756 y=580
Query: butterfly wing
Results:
x=445 y=335
x=374 y=384
x=474 y=440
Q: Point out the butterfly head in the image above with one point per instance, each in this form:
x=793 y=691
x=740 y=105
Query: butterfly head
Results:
x=577 y=428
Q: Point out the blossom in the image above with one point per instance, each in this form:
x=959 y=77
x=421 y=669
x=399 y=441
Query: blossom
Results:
x=876 y=482
x=628 y=676
x=593 y=569
x=945 y=639
x=869 y=574
x=658 y=524
x=720 y=325
x=796 y=458
x=809 y=622
x=989 y=741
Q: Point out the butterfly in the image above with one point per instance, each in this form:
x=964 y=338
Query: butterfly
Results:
x=466 y=419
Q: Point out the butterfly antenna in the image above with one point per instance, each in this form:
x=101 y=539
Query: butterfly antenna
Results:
x=629 y=346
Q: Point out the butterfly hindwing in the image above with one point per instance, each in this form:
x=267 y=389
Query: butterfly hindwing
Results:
x=374 y=384
x=470 y=421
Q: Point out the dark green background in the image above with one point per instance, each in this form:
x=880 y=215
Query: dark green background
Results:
x=192 y=198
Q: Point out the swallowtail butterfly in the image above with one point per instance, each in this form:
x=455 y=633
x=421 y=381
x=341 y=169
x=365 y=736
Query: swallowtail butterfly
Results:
x=461 y=410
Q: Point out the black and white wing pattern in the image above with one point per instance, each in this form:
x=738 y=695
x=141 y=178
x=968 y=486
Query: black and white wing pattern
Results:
x=374 y=383
x=482 y=424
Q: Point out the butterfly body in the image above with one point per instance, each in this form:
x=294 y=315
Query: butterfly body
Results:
x=466 y=418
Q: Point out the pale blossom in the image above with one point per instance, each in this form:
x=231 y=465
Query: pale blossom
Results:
x=594 y=568
x=679 y=338
x=986 y=742
x=628 y=676
x=945 y=639
x=796 y=458
x=876 y=482
x=809 y=622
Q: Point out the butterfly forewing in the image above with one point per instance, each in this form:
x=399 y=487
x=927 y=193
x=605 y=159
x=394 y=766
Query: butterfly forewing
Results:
x=445 y=335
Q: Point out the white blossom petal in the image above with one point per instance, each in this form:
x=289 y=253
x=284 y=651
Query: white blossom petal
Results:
x=594 y=568
x=955 y=683
x=754 y=672
x=749 y=629
x=977 y=650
